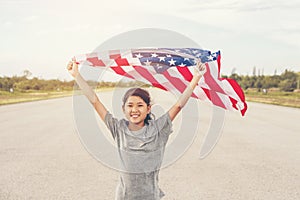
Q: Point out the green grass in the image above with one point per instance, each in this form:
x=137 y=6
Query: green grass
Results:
x=291 y=99
x=18 y=97
x=34 y=95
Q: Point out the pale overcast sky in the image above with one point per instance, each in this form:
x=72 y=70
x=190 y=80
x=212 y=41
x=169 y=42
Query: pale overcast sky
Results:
x=41 y=36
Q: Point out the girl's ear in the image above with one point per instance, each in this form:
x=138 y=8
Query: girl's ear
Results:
x=149 y=109
x=123 y=108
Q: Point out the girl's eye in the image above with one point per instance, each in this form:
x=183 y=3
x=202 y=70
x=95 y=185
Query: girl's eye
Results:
x=140 y=105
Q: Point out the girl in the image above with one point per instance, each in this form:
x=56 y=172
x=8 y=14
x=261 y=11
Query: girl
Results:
x=140 y=139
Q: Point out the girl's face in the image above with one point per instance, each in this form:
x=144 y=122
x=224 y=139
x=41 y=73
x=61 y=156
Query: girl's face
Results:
x=136 y=110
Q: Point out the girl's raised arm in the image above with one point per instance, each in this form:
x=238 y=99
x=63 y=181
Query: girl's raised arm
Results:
x=175 y=109
x=86 y=89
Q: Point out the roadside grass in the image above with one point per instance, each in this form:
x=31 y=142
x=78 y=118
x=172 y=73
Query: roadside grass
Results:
x=290 y=99
x=34 y=95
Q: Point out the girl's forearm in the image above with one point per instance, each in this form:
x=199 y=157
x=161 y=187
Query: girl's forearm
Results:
x=188 y=91
x=86 y=89
x=195 y=80
x=91 y=95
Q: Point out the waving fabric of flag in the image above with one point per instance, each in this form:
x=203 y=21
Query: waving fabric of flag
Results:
x=171 y=69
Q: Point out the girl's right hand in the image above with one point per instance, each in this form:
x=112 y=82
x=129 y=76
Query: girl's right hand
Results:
x=200 y=68
x=73 y=68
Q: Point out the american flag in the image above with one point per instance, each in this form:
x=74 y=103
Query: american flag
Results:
x=170 y=69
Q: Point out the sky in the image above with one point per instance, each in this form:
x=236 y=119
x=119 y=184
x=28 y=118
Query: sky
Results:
x=42 y=36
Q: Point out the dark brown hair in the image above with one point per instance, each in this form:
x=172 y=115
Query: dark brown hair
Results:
x=143 y=94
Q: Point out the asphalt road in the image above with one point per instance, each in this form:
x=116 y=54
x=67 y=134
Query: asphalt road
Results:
x=257 y=157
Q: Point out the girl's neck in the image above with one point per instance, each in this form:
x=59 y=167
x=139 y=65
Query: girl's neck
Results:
x=135 y=127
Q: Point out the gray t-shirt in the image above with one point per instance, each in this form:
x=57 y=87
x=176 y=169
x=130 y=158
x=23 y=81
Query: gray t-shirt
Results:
x=141 y=154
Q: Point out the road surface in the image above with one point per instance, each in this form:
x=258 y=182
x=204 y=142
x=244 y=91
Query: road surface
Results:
x=257 y=157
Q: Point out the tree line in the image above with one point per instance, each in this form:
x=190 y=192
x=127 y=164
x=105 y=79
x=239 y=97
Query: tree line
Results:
x=287 y=81
x=22 y=83
x=25 y=83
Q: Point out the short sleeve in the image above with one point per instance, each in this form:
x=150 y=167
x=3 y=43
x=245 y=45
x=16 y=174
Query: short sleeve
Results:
x=112 y=124
x=164 y=124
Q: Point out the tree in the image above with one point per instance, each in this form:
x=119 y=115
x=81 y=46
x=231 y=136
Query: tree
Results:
x=6 y=83
x=270 y=81
x=288 y=81
x=287 y=85
x=27 y=73
x=235 y=77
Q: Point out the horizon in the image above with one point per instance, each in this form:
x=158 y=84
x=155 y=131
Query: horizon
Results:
x=116 y=77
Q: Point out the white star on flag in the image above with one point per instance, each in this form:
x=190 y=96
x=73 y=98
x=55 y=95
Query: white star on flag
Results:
x=154 y=55
x=172 y=62
x=161 y=58
x=138 y=55
x=147 y=63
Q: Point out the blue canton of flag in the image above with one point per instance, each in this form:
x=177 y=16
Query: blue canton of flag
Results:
x=163 y=58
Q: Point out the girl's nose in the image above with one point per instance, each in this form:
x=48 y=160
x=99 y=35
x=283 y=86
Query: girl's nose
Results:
x=134 y=109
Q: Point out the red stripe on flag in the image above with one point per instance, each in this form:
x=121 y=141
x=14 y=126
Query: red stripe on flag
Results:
x=185 y=72
x=234 y=102
x=245 y=109
x=177 y=83
x=239 y=92
x=114 y=54
x=120 y=71
x=236 y=88
x=148 y=76
x=122 y=62
x=206 y=91
x=214 y=97
x=219 y=64
x=211 y=82
x=96 y=62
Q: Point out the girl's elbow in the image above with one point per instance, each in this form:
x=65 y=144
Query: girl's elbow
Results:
x=178 y=107
x=175 y=110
